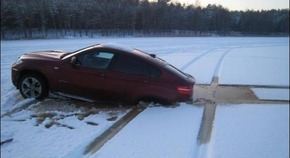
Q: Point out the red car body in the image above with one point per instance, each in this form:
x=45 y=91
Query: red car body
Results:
x=102 y=73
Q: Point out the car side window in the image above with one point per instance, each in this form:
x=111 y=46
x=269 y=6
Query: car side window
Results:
x=134 y=66
x=95 y=59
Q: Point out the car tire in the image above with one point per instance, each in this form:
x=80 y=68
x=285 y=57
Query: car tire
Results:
x=33 y=86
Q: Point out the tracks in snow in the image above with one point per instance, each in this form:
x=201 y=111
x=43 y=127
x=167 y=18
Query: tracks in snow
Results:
x=112 y=131
x=212 y=95
x=205 y=129
x=218 y=66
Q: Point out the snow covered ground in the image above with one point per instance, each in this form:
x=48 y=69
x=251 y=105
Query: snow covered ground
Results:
x=55 y=128
x=235 y=134
x=157 y=132
x=250 y=130
x=272 y=94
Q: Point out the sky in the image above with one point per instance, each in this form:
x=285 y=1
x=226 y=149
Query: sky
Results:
x=244 y=4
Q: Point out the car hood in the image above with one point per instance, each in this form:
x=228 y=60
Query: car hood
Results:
x=50 y=54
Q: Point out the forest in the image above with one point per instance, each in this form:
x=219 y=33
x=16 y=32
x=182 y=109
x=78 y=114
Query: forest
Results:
x=80 y=18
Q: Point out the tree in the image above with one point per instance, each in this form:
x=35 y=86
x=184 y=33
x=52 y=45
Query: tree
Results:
x=126 y=16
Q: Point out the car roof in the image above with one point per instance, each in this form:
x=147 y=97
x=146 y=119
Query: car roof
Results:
x=126 y=49
x=116 y=46
x=137 y=52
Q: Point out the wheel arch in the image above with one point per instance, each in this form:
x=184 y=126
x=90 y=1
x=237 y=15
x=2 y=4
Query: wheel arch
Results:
x=34 y=72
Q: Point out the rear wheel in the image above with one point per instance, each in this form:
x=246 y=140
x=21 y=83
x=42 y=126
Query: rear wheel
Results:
x=33 y=86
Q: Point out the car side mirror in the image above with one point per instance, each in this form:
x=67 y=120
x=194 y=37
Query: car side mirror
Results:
x=73 y=60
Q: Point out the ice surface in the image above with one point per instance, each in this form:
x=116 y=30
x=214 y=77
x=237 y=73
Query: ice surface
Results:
x=157 y=132
x=239 y=130
x=66 y=137
x=272 y=93
x=265 y=65
x=248 y=130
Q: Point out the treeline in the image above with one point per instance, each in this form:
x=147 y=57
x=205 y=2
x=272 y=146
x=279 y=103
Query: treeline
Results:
x=133 y=17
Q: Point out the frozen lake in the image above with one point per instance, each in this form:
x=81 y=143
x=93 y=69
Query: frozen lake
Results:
x=258 y=62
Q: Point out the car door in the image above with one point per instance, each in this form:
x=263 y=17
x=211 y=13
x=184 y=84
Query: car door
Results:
x=129 y=78
x=87 y=77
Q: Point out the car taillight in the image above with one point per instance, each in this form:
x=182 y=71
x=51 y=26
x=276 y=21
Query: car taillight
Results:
x=185 y=90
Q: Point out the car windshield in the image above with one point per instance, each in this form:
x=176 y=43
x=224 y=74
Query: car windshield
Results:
x=67 y=55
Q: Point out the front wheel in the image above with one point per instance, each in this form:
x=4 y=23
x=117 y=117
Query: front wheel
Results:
x=33 y=86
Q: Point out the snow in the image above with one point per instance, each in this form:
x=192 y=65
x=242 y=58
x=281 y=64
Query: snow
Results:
x=257 y=66
x=271 y=93
x=161 y=132
x=250 y=130
x=34 y=139
x=157 y=132
x=243 y=130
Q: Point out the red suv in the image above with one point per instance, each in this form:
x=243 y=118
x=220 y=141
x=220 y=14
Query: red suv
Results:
x=101 y=73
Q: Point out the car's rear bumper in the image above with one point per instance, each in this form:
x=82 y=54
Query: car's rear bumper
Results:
x=184 y=98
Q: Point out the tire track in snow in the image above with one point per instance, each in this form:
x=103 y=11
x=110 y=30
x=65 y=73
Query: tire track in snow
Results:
x=220 y=63
x=24 y=104
x=206 y=126
x=205 y=131
x=208 y=116
x=112 y=131
x=221 y=60
x=227 y=50
x=197 y=58
x=215 y=73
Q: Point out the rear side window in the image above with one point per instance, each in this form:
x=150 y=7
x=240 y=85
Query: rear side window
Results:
x=176 y=71
x=134 y=66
